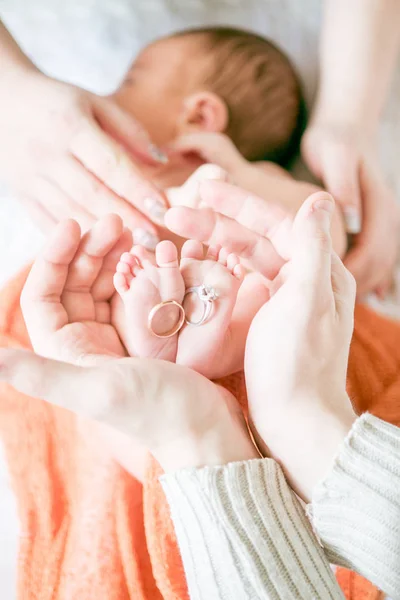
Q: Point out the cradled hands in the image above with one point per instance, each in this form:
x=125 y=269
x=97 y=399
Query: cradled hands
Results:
x=296 y=354
x=71 y=310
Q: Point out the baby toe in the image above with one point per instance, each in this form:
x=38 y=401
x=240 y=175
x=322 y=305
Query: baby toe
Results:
x=239 y=271
x=143 y=256
x=128 y=258
x=192 y=249
x=232 y=261
x=213 y=252
x=223 y=256
x=167 y=254
x=120 y=283
x=123 y=268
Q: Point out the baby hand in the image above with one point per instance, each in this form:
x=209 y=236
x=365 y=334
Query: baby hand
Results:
x=224 y=163
x=215 y=148
x=188 y=193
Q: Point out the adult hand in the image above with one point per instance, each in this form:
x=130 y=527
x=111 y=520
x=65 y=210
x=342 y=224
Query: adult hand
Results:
x=181 y=417
x=69 y=153
x=341 y=161
x=66 y=307
x=297 y=353
x=66 y=301
x=276 y=246
x=257 y=231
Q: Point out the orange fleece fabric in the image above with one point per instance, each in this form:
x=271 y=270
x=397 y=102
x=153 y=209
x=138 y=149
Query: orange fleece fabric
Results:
x=87 y=528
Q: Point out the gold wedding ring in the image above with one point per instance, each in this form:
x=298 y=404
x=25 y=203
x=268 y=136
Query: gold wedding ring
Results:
x=160 y=306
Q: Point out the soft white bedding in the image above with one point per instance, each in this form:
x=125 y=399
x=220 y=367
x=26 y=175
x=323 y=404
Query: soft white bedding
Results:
x=90 y=43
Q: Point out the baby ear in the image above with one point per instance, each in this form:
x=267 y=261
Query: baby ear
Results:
x=203 y=111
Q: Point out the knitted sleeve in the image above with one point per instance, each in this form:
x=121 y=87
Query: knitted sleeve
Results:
x=356 y=509
x=242 y=534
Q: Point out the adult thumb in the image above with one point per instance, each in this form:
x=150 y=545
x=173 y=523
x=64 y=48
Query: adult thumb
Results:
x=83 y=390
x=312 y=244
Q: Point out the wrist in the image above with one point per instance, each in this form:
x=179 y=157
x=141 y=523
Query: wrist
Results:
x=345 y=126
x=305 y=436
x=227 y=442
x=243 y=175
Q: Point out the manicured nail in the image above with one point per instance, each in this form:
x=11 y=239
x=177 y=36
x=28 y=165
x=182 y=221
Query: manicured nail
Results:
x=144 y=238
x=352 y=219
x=155 y=208
x=158 y=154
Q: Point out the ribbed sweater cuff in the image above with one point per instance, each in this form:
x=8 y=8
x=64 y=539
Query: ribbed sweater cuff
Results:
x=243 y=534
x=356 y=509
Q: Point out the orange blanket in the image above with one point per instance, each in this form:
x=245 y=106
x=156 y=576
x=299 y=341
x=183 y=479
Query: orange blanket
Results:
x=88 y=529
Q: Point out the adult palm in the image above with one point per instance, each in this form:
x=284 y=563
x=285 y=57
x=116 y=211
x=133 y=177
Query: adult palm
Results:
x=67 y=299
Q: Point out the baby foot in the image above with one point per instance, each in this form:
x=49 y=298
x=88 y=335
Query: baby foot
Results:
x=217 y=278
x=143 y=281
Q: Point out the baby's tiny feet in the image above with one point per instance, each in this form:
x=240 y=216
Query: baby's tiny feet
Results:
x=144 y=280
x=216 y=279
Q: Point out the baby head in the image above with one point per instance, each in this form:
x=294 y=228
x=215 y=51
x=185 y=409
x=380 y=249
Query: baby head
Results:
x=216 y=79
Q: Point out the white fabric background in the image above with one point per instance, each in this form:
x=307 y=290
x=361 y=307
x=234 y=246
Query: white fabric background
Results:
x=91 y=43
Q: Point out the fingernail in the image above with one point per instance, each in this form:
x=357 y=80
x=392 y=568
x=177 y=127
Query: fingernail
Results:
x=144 y=238
x=352 y=219
x=323 y=204
x=156 y=209
x=158 y=154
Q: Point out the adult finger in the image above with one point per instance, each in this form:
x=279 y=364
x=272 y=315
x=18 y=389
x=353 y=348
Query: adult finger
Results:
x=103 y=288
x=344 y=287
x=58 y=203
x=367 y=269
x=39 y=215
x=41 y=296
x=84 y=390
x=86 y=265
x=384 y=287
x=124 y=128
x=312 y=246
x=121 y=393
x=91 y=194
x=254 y=213
x=341 y=177
x=252 y=295
x=109 y=162
x=213 y=228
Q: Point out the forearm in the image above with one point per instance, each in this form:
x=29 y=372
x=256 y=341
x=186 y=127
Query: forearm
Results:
x=356 y=508
x=359 y=47
x=12 y=57
x=243 y=534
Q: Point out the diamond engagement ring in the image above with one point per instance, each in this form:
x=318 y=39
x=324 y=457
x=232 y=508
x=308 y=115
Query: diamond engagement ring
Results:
x=206 y=295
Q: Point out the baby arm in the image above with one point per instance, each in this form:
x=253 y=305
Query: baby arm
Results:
x=271 y=182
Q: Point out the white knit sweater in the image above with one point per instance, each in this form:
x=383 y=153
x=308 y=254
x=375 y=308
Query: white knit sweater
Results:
x=243 y=534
